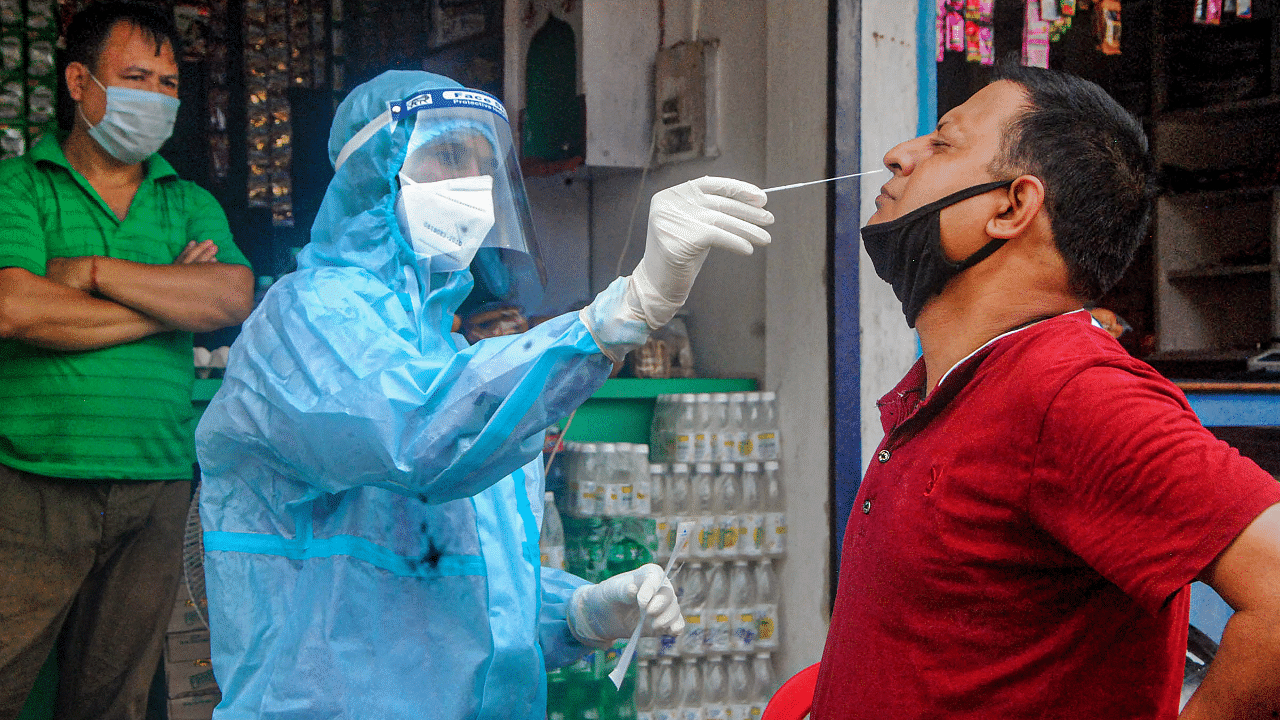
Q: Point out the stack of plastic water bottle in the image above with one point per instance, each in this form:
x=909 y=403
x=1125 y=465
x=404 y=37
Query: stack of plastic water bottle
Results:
x=718 y=467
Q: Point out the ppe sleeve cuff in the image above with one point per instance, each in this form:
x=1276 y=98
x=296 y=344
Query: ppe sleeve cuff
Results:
x=579 y=625
x=614 y=321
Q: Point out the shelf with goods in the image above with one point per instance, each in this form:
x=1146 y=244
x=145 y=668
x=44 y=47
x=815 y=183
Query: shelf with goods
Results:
x=1215 y=130
x=622 y=504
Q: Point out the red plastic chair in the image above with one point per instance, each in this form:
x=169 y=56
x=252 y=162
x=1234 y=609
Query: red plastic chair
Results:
x=794 y=699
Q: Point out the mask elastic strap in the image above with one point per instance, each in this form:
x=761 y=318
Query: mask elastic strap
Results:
x=80 y=109
x=362 y=137
x=992 y=245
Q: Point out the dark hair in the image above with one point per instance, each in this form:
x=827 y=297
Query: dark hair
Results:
x=1092 y=157
x=88 y=30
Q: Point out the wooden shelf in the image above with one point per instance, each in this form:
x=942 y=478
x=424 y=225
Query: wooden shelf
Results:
x=1216 y=111
x=1221 y=271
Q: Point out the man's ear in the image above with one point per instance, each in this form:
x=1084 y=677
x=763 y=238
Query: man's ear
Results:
x=1019 y=208
x=76 y=75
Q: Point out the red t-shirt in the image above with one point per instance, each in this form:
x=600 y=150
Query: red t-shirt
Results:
x=1022 y=543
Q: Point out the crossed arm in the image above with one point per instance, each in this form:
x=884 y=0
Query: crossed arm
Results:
x=87 y=303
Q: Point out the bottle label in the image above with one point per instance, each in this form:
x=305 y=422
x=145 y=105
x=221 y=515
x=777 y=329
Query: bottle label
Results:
x=746 y=446
x=667 y=646
x=640 y=503
x=740 y=712
x=717 y=712
x=775 y=533
x=691 y=641
x=613 y=500
x=708 y=536
x=752 y=541
x=665 y=714
x=767 y=625
x=728 y=449
x=684 y=448
x=553 y=557
x=744 y=631
x=729 y=535
x=664 y=538
x=718 y=631
x=701 y=447
x=767 y=446
x=691 y=713
x=640 y=715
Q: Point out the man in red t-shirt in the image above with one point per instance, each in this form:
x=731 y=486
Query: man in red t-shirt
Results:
x=1023 y=541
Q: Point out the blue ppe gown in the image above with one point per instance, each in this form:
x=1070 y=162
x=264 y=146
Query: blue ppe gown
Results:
x=372 y=485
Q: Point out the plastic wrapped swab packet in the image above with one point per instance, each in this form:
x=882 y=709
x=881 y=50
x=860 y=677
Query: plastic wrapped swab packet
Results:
x=824 y=180
x=683 y=531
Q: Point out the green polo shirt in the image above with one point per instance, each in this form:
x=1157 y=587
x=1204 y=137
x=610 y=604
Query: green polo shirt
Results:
x=120 y=413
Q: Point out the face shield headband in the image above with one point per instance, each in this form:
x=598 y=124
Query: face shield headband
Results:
x=907 y=252
x=451 y=125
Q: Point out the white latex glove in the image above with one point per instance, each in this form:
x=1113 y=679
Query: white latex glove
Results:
x=685 y=222
x=602 y=613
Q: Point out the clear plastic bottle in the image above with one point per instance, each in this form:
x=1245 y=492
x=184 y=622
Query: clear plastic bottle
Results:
x=690 y=689
x=742 y=601
x=642 y=480
x=751 y=418
x=660 y=426
x=692 y=593
x=727 y=505
x=679 y=504
x=717 y=614
x=551 y=538
x=775 y=516
x=642 y=695
x=768 y=436
x=666 y=691
x=702 y=451
x=585 y=481
x=763 y=681
x=741 y=693
x=735 y=434
x=658 y=509
x=611 y=487
x=684 y=428
x=750 y=513
x=624 y=477
x=719 y=417
x=707 y=532
x=766 y=582
x=715 y=689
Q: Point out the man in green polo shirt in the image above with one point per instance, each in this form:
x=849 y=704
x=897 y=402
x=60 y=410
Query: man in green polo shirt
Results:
x=108 y=263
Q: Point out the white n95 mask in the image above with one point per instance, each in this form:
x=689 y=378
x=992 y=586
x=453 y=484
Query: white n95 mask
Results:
x=446 y=221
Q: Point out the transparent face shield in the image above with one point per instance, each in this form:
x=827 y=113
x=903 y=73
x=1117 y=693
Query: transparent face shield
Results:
x=462 y=202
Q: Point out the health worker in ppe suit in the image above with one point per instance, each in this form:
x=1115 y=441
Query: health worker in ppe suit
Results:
x=373 y=485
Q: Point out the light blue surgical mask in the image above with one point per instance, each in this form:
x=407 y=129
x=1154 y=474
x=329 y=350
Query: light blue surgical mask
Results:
x=136 y=123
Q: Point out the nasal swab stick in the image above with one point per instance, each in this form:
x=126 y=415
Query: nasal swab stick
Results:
x=825 y=180
x=683 y=531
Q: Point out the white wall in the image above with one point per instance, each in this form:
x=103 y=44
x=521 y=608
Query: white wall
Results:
x=798 y=330
x=889 y=116
x=726 y=311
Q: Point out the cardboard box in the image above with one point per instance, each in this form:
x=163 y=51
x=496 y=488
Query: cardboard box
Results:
x=184 y=646
x=185 y=617
x=195 y=707
x=193 y=677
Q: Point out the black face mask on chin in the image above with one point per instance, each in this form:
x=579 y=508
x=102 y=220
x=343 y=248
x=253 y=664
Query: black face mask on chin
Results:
x=907 y=252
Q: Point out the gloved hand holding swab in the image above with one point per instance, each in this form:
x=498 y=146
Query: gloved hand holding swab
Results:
x=683 y=531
